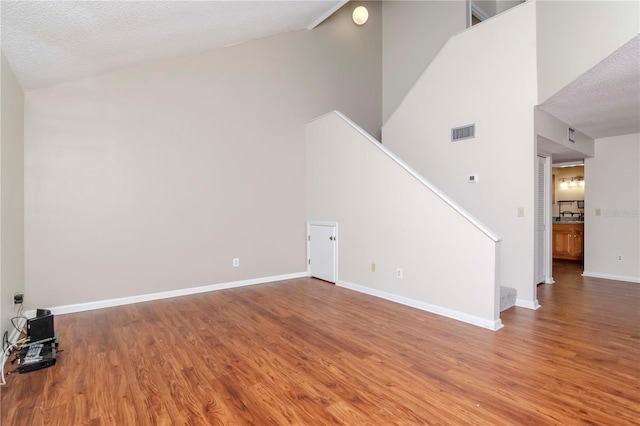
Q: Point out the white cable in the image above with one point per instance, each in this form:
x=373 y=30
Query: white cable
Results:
x=5 y=356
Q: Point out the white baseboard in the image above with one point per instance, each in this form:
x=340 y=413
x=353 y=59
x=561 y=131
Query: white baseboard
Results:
x=528 y=304
x=611 y=277
x=79 y=307
x=13 y=338
x=15 y=334
x=449 y=313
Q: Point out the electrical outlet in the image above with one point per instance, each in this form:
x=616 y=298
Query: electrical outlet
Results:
x=236 y=262
x=18 y=298
x=619 y=257
x=373 y=267
x=399 y=273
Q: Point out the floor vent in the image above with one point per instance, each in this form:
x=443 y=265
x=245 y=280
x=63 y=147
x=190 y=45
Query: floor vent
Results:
x=464 y=132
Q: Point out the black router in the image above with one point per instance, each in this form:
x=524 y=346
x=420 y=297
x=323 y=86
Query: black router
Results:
x=37 y=356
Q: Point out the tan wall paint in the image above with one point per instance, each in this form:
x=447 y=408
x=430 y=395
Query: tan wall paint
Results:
x=612 y=185
x=566 y=28
x=11 y=193
x=413 y=33
x=570 y=192
x=385 y=216
x=153 y=178
x=498 y=96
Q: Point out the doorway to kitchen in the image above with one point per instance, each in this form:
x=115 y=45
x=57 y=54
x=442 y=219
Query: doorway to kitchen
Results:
x=568 y=204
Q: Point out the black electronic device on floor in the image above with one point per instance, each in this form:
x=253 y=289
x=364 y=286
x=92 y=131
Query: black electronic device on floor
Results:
x=36 y=356
x=40 y=328
x=40 y=351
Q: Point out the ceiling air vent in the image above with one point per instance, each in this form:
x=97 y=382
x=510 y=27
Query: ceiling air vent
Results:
x=464 y=132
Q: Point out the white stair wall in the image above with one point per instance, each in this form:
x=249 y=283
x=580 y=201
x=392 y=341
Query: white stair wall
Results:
x=389 y=215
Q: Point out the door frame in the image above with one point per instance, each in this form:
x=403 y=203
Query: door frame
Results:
x=335 y=252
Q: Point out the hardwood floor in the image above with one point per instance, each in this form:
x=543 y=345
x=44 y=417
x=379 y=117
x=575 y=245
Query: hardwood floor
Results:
x=304 y=352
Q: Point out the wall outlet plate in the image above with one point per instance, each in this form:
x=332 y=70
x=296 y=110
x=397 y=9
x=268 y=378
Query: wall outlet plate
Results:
x=236 y=262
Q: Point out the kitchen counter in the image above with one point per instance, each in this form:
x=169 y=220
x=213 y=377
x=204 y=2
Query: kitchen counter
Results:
x=577 y=218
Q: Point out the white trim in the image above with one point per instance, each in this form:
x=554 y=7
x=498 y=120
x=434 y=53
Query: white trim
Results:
x=439 y=310
x=549 y=280
x=611 y=277
x=477 y=10
x=417 y=176
x=13 y=338
x=79 y=307
x=325 y=15
x=15 y=334
x=528 y=304
x=569 y=164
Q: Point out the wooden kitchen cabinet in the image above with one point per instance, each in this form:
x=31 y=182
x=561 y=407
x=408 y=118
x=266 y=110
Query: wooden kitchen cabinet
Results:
x=568 y=241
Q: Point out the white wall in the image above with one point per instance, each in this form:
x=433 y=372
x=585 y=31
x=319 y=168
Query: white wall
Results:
x=387 y=217
x=504 y=5
x=498 y=96
x=11 y=193
x=612 y=187
x=153 y=178
x=413 y=33
x=549 y=127
x=489 y=7
x=495 y=7
x=573 y=36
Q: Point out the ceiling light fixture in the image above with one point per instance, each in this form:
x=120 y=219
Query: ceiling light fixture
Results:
x=360 y=15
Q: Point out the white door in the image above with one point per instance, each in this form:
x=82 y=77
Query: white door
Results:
x=541 y=220
x=322 y=252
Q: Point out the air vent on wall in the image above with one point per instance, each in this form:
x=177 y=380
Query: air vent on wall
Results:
x=464 y=132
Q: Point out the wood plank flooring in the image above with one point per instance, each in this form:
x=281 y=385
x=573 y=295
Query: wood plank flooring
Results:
x=304 y=352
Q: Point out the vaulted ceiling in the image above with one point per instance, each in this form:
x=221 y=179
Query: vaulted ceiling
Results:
x=50 y=42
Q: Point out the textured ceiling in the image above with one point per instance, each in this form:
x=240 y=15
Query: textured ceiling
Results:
x=604 y=101
x=50 y=42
